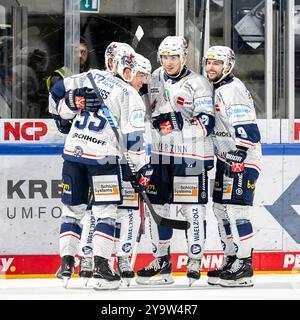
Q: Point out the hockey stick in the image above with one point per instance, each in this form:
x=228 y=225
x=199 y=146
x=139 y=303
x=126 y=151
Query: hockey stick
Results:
x=175 y=224
x=139 y=235
x=137 y=37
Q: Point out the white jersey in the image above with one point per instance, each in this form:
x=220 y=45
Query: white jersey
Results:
x=91 y=137
x=236 y=122
x=191 y=95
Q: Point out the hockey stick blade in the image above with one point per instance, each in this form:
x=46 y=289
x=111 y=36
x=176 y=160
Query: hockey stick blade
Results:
x=171 y=223
x=137 y=37
x=166 y=222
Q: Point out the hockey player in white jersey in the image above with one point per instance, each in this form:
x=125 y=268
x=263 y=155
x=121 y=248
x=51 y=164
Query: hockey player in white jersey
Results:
x=238 y=150
x=129 y=211
x=129 y=218
x=88 y=222
x=182 y=152
x=91 y=159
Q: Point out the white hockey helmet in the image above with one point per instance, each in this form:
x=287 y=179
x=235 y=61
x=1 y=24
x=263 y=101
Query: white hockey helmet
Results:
x=224 y=54
x=110 y=53
x=173 y=46
x=142 y=64
x=124 y=58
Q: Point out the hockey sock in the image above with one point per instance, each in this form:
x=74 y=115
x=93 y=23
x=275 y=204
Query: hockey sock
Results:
x=69 y=238
x=103 y=239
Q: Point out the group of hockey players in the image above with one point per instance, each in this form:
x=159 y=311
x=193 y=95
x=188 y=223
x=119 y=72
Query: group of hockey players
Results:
x=188 y=120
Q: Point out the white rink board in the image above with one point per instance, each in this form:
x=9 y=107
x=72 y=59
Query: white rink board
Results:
x=30 y=219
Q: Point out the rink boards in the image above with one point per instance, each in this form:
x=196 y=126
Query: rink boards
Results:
x=30 y=177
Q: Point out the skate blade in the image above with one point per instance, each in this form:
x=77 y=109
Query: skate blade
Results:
x=102 y=284
x=83 y=282
x=163 y=280
x=125 y=282
x=65 y=282
x=58 y=274
x=213 y=281
x=191 y=281
x=243 y=282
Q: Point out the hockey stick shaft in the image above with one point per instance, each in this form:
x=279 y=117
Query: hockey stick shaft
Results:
x=141 y=231
x=175 y=224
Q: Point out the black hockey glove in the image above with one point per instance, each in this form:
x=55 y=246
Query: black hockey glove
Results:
x=234 y=162
x=63 y=126
x=142 y=178
x=168 y=122
x=83 y=98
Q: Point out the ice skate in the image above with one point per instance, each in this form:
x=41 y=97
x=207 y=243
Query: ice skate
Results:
x=239 y=275
x=86 y=267
x=66 y=269
x=58 y=274
x=106 y=278
x=161 y=266
x=193 y=270
x=125 y=270
x=85 y=270
x=213 y=275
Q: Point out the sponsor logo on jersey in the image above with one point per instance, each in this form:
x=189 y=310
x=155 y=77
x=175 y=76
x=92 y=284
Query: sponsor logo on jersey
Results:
x=137 y=118
x=98 y=77
x=221 y=134
x=86 y=137
x=78 y=151
x=238 y=111
x=204 y=102
x=180 y=101
x=217 y=106
x=154 y=90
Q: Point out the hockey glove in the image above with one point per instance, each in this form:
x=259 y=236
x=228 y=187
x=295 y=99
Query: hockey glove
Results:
x=168 y=122
x=83 y=98
x=205 y=122
x=234 y=162
x=142 y=178
x=63 y=126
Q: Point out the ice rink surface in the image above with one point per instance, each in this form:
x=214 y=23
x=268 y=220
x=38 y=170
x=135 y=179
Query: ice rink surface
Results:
x=267 y=287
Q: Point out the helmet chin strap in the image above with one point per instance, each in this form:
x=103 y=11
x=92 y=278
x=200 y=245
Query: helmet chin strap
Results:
x=182 y=64
x=224 y=75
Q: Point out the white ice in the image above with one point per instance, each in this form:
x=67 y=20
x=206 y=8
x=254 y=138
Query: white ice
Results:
x=267 y=286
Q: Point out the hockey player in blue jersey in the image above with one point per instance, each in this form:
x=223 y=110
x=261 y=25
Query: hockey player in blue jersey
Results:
x=182 y=152
x=238 y=150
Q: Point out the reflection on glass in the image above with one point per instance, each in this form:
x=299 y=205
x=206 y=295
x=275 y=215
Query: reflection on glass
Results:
x=297 y=59
x=5 y=62
x=248 y=44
